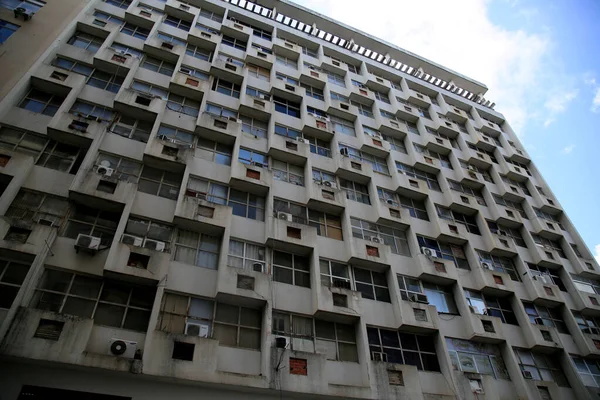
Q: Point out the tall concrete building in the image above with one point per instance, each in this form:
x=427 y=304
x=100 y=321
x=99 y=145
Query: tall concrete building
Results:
x=224 y=200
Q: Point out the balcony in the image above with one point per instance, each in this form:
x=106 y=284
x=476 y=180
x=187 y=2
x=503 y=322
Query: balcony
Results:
x=326 y=197
x=378 y=83
x=436 y=270
x=451 y=232
x=437 y=144
x=162 y=49
x=259 y=57
x=586 y=302
x=392 y=127
x=499 y=244
x=490 y=128
x=545 y=228
x=492 y=282
x=342 y=110
x=138 y=105
x=483 y=328
x=281 y=88
x=477 y=158
x=586 y=340
x=236 y=30
x=516 y=155
x=293 y=237
x=542 y=338
x=428 y=321
x=74 y=129
x=203 y=39
x=390 y=213
x=251 y=178
x=362 y=95
x=286 y=48
x=516 y=173
x=171 y=151
x=187 y=85
x=319 y=127
x=418 y=98
x=545 y=256
x=101 y=187
x=368 y=254
x=461 y=202
x=407 y=113
x=196 y=214
x=542 y=290
x=313 y=76
x=288 y=150
x=455 y=113
x=142 y=17
x=114 y=61
x=374 y=145
x=469 y=177
x=448 y=127
x=181 y=10
x=412 y=187
x=484 y=142
x=256 y=107
x=334 y=66
x=225 y=68
x=217 y=128
x=353 y=170
x=38 y=240
x=505 y=216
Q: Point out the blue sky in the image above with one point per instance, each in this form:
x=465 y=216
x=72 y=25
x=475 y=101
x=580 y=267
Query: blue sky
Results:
x=541 y=62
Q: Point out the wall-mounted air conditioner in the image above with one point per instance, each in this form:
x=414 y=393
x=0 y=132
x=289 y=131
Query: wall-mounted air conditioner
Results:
x=122 y=348
x=154 y=245
x=285 y=216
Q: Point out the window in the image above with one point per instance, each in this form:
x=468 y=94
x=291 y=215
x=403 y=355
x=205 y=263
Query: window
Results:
x=459 y=187
x=212 y=15
x=30 y=5
x=291 y=269
x=543 y=367
x=257 y=93
x=237 y=326
x=516 y=184
x=105 y=81
x=73 y=66
x=515 y=163
x=213 y=151
x=490 y=154
x=441 y=297
x=403 y=348
x=323 y=176
x=244 y=204
x=196 y=73
x=177 y=23
x=335 y=79
x=119 y=3
x=126 y=49
x=333 y=272
x=156 y=65
x=392 y=237
x=254 y=126
x=132 y=128
x=444 y=160
x=86 y=41
x=6 y=30
x=500 y=264
x=61 y=157
x=479 y=358
x=341 y=125
x=356 y=191
x=247 y=156
x=381 y=96
x=259 y=72
x=309 y=52
x=227 y=88
x=379 y=164
x=426 y=177
x=85 y=109
x=148 y=229
x=287 y=172
x=548 y=217
x=450 y=252
x=108 y=17
x=319 y=147
x=363 y=109
x=395 y=143
x=32 y=206
x=159 y=183
x=286 y=61
x=177 y=135
x=198 y=249
x=327 y=225
x=542 y=315
x=372 y=285
x=493 y=306
x=315 y=112
x=410 y=288
x=339 y=97
x=261 y=33
x=469 y=221
x=179 y=311
x=548 y=244
x=473 y=169
x=135 y=31
x=587 y=285
x=89 y=221
x=233 y=42
x=337 y=340
x=510 y=204
x=513 y=233
x=107 y=302
x=298 y=211
x=589 y=370
x=12 y=275
x=124 y=168
x=313 y=92
x=587 y=323
x=41 y=102
x=416 y=208
x=198 y=52
x=247 y=256
x=549 y=273
x=288 y=107
x=183 y=105
x=171 y=39
x=287 y=132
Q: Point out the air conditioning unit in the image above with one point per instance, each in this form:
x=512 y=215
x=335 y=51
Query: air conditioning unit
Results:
x=258 y=267
x=264 y=97
x=471 y=168
x=538 y=321
x=196 y=329
x=302 y=140
x=105 y=171
x=284 y=216
x=45 y=221
x=375 y=135
x=87 y=242
x=431 y=253
x=379 y=356
x=330 y=184
x=418 y=298
x=376 y=239
x=186 y=71
x=257 y=164
x=344 y=151
x=486 y=265
x=527 y=375
x=122 y=348
x=154 y=245
x=132 y=240
x=321 y=118
x=391 y=202
x=541 y=278
x=23 y=12
x=340 y=283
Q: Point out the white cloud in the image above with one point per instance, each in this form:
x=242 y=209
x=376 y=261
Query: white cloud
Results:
x=557 y=104
x=597 y=253
x=569 y=149
x=596 y=100
x=514 y=64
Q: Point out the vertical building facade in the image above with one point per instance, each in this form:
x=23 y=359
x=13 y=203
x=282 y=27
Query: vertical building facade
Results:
x=226 y=200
